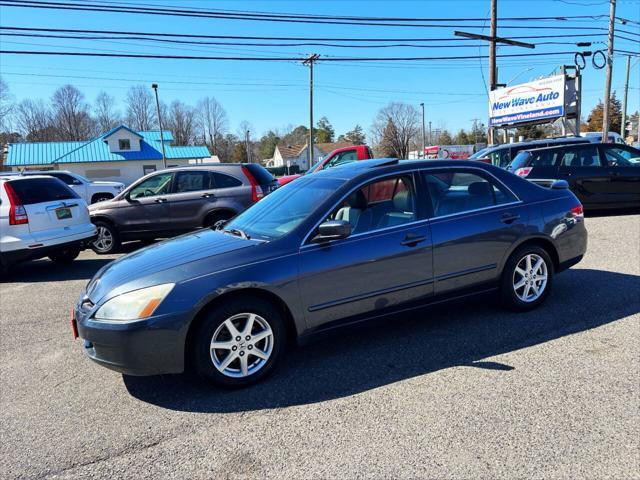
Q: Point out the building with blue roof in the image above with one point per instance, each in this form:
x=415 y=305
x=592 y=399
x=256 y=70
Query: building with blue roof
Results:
x=120 y=154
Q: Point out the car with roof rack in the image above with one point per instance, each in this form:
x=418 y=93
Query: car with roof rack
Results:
x=342 y=246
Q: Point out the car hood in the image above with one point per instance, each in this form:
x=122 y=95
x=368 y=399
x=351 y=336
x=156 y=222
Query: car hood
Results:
x=170 y=261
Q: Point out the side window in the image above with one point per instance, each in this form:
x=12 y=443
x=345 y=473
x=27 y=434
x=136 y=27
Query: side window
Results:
x=454 y=192
x=191 y=182
x=543 y=158
x=621 y=156
x=68 y=179
x=157 y=185
x=220 y=180
x=380 y=204
x=581 y=157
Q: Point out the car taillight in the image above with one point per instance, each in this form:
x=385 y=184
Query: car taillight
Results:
x=256 y=190
x=17 y=212
x=523 y=172
x=577 y=211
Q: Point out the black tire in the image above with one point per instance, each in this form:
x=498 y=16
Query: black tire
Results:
x=66 y=255
x=104 y=248
x=510 y=298
x=101 y=197
x=212 y=321
x=215 y=218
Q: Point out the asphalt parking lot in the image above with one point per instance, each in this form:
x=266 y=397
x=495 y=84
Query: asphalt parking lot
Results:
x=460 y=391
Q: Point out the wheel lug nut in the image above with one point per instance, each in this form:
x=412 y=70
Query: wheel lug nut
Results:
x=238 y=338
x=234 y=348
x=248 y=337
x=241 y=353
x=250 y=347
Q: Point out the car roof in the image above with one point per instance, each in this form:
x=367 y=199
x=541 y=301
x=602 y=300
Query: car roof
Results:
x=558 y=140
x=13 y=177
x=555 y=147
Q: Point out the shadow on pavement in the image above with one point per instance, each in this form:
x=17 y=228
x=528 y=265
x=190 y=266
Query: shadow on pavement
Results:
x=408 y=346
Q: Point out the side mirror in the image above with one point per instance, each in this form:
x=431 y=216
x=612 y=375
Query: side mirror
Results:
x=560 y=185
x=332 y=230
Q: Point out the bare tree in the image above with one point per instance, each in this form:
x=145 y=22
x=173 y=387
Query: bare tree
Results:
x=212 y=122
x=71 y=114
x=141 y=110
x=180 y=119
x=6 y=104
x=106 y=115
x=394 y=128
x=34 y=121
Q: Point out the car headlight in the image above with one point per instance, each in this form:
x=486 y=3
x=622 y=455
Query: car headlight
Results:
x=134 y=305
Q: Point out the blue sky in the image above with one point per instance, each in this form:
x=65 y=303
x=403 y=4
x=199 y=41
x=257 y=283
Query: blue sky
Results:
x=274 y=95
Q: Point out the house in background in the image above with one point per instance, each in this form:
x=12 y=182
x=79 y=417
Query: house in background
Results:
x=298 y=154
x=121 y=154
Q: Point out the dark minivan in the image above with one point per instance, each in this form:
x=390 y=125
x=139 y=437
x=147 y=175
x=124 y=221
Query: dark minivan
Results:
x=603 y=176
x=178 y=200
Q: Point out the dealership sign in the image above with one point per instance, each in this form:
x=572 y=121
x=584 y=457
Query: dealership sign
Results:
x=528 y=102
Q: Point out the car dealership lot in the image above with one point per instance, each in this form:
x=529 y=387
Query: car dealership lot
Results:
x=464 y=391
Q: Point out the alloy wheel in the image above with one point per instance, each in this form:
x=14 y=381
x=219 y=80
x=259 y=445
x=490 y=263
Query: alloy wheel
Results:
x=241 y=345
x=104 y=242
x=530 y=277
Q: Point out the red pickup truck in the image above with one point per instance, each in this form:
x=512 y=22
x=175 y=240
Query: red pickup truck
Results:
x=339 y=156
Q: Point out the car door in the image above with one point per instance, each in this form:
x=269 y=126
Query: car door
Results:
x=475 y=221
x=145 y=208
x=192 y=196
x=623 y=167
x=385 y=262
x=588 y=178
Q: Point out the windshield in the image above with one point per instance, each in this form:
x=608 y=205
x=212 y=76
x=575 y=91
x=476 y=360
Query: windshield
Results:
x=84 y=179
x=480 y=153
x=283 y=210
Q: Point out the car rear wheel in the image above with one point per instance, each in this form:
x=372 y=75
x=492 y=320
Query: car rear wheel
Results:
x=239 y=343
x=527 y=278
x=108 y=240
x=66 y=255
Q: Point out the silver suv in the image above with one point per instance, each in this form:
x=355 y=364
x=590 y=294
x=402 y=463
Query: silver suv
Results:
x=177 y=200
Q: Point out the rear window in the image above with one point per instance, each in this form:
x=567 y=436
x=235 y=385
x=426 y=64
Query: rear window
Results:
x=40 y=190
x=260 y=173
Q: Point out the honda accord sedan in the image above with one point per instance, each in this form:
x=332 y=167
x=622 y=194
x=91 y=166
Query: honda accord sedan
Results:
x=339 y=247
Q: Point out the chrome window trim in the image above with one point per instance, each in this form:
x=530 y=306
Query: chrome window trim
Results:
x=413 y=172
x=476 y=210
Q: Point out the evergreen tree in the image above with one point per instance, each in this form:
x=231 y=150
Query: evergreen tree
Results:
x=594 y=122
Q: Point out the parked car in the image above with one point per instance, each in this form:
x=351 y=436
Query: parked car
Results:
x=339 y=156
x=40 y=216
x=178 y=200
x=596 y=137
x=502 y=155
x=603 y=176
x=89 y=191
x=338 y=247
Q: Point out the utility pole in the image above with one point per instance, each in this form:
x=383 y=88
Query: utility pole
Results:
x=309 y=61
x=164 y=157
x=246 y=140
x=423 y=140
x=493 y=39
x=430 y=137
x=607 y=82
x=624 y=98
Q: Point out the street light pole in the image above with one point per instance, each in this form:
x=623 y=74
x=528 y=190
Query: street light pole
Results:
x=430 y=137
x=423 y=141
x=246 y=139
x=164 y=157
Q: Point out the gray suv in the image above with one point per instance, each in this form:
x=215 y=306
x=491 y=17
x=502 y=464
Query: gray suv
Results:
x=178 y=200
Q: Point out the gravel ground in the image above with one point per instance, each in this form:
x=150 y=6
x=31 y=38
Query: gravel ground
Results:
x=464 y=391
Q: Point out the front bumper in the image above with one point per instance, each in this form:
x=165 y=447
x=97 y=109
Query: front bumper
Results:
x=147 y=347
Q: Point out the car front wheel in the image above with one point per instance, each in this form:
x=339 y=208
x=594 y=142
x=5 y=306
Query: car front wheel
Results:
x=108 y=240
x=527 y=278
x=239 y=343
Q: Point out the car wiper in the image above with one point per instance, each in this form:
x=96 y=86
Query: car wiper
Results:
x=238 y=233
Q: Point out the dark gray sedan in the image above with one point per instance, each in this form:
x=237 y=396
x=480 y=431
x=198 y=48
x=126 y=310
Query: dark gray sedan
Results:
x=338 y=247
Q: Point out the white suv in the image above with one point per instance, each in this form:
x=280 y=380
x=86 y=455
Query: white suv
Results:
x=91 y=192
x=40 y=216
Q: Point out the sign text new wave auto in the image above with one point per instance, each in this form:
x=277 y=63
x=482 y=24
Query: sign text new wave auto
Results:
x=528 y=102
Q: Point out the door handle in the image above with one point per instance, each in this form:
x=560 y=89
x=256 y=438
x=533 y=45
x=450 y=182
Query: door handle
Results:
x=509 y=218
x=413 y=240
x=160 y=200
x=207 y=195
